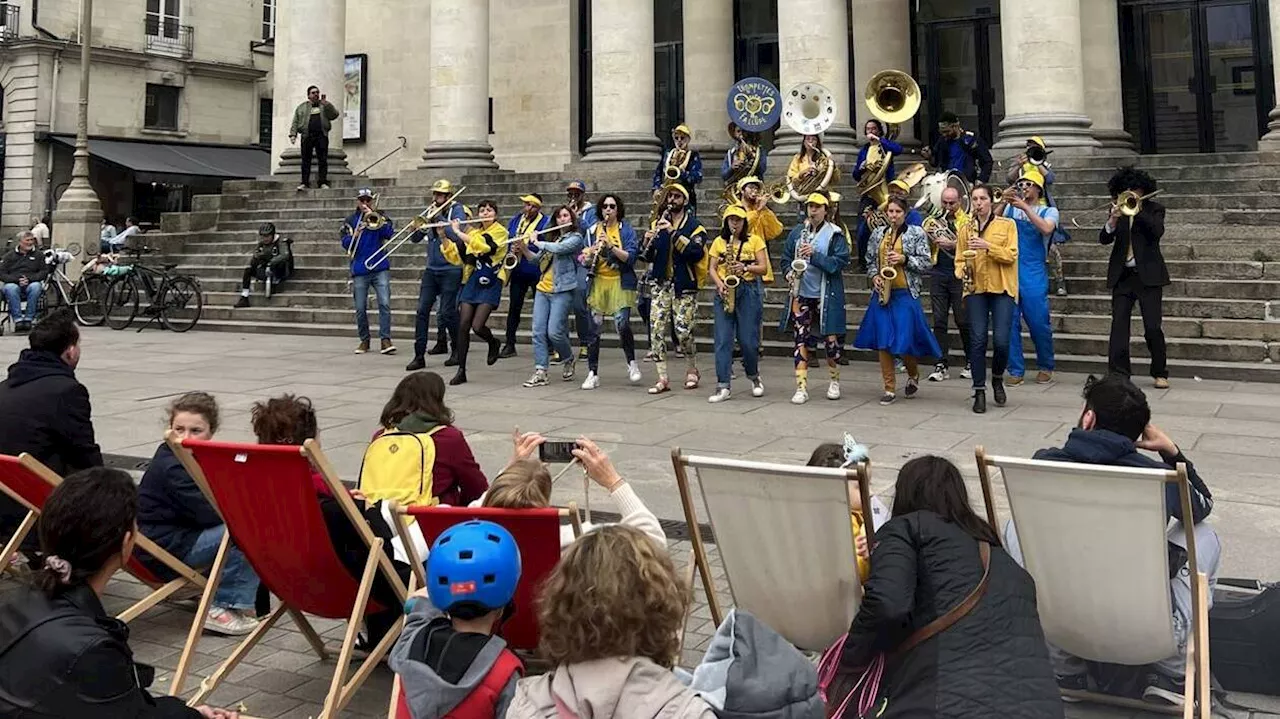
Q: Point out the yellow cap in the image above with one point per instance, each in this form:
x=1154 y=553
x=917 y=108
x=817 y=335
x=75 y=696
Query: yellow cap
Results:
x=1037 y=140
x=1033 y=176
x=816 y=198
x=682 y=129
x=748 y=180
x=531 y=199
x=442 y=186
x=735 y=211
x=901 y=185
x=677 y=187
x=835 y=196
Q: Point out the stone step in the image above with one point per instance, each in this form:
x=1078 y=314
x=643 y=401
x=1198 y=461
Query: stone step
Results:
x=1070 y=186
x=1216 y=201
x=1159 y=161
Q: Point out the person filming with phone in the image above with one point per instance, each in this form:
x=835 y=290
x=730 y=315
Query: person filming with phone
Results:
x=526 y=482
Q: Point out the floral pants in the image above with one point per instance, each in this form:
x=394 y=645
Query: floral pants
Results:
x=683 y=311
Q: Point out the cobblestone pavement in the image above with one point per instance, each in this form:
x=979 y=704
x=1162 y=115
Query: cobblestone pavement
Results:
x=1230 y=429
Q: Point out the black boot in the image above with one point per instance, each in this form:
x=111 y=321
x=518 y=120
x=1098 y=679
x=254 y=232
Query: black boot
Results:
x=494 y=351
x=415 y=364
x=459 y=378
x=997 y=391
x=508 y=350
x=441 y=346
x=979 y=401
x=453 y=359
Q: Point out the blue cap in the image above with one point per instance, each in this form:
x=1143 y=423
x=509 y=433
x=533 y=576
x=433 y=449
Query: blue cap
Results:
x=473 y=563
x=577 y=185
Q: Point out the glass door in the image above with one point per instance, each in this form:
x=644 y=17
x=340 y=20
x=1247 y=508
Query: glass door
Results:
x=756 y=50
x=963 y=73
x=1231 y=76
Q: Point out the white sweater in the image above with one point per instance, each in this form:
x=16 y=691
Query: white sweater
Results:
x=634 y=514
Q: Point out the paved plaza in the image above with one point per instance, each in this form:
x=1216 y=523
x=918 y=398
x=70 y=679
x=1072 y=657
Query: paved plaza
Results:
x=1231 y=430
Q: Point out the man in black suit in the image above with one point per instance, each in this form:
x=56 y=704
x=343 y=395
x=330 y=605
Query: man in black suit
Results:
x=1136 y=273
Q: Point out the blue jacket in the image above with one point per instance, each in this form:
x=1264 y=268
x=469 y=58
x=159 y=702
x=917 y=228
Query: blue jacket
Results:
x=172 y=511
x=436 y=235
x=762 y=164
x=830 y=263
x=588 y=217
x=890 y=146
x=630 y=243
x=967 y=155
x=526 y=270
x=369 y=242
x=691 y=177
x=563 y=254
x=668 y=264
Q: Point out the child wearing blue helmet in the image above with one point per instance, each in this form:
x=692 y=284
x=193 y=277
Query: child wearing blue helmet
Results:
x=448 y=658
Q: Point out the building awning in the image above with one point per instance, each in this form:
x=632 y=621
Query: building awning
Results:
x=167 y=162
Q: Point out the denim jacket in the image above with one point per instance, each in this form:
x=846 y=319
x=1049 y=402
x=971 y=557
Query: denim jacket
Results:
x=564 y=259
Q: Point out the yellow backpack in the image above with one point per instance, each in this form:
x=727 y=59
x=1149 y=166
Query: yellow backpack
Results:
x=397 y=466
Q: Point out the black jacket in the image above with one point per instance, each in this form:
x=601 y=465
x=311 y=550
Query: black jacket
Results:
x=993 y=662
x=172 y=511
x=66 y=657
x=45 y=412
x=30 y=265
x=1147 y=229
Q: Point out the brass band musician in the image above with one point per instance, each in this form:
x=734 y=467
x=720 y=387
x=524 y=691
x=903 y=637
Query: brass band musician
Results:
x=1136 y=270
x=945 y=291
x=744 y=159
x=875 y=158
x=990 y=291
x=680 y=164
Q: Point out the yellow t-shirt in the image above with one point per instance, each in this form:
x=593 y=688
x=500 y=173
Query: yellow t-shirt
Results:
x=605 y=269
x=899 y=282
x=721 y=250
x=547 y=282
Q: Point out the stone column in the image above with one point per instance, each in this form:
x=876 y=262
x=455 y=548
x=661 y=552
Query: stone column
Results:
x=1103 y=94
x=459 y=73
x=1270 y=142
x=708 y=73
x=881 y=41
x=622 y=79
x=813 y=46
x=1044 y=77
x=310 y=42
x=77 y=216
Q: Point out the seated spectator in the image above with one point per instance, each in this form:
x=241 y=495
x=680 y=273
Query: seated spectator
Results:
x=925 y=563
x=273 y=257
x=61 y=654
x=830 y=454
x=526 y=484
x=174 y=513
x=1114 y=424
x=417 y=407
x=105 y=234
x=22 y=274
x=448 y=658
x=120 y=242
x=44 y=410
x=610 y=615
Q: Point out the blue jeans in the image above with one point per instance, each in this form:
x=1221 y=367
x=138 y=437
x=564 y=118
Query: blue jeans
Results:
x=442 y=285
x=998 y=308
x=1033 y=306
x=551 y=326
x=15 y=294
x=381 y=282
x=239 y=585
x=744 y=325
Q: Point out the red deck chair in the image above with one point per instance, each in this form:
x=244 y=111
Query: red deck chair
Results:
x=29 y=483
x=265 y=495
x=537 y=534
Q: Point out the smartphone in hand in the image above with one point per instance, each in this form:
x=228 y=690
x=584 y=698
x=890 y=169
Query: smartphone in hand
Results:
x=557 y=451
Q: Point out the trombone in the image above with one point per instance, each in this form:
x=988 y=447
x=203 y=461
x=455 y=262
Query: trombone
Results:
x=406 y=233
x=1128 y=202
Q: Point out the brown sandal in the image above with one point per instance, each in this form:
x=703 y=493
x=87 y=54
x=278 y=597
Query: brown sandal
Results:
x=662 y=385
x=691 y=379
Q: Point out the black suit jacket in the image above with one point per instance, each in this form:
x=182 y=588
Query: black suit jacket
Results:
x=1143 y=231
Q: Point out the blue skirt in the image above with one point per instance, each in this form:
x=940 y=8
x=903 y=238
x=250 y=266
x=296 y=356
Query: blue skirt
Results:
x=482 y=288
x=898 y=328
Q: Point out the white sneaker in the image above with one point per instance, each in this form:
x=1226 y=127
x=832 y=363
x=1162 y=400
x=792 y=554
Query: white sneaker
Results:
x=228 y=622
x=757 y=387
x=324 y=187
x=721 y=395
x=967 y=372
x=302 y=187
x=633 y=372
x=539 y=378
x=833 y=390
x=800 y=397
x=592 y=381
x=940 y=373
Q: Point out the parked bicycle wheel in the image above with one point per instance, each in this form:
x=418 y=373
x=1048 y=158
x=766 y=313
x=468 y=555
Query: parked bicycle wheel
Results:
x=122 y=302
x=181 y=304
x=88 y=297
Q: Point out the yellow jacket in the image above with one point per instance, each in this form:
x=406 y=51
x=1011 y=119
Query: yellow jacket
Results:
x=995 y=269
x=764 y=223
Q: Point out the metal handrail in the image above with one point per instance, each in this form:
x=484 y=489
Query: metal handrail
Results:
x=404 y=142
x=169 y=38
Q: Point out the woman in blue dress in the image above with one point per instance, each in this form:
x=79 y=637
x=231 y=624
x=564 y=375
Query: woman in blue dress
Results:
x=481 y=249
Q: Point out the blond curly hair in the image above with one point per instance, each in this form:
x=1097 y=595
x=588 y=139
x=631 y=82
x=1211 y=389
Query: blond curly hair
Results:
x=524 y=484
x=615 y=593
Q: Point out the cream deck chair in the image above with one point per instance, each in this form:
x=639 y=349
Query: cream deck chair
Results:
x=785 y=538
x=1094 y=538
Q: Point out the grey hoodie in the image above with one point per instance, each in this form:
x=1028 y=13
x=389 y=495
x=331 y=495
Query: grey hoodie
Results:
x=428 y=695
x=619 y=688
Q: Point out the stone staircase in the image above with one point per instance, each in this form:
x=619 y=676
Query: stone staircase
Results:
x=1222 y=243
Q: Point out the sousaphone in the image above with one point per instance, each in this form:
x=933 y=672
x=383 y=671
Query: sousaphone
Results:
x=809 y=108
x=893 y=97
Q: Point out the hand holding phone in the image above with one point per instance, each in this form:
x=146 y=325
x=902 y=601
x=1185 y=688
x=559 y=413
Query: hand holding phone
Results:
x=555 y=451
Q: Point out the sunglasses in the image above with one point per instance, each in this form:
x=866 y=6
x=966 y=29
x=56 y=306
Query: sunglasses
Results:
x=1024 y=185
x=609 y=206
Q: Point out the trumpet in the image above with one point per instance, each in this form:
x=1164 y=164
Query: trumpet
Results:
x=998 y=196
x=512 y=258
x=970 y=268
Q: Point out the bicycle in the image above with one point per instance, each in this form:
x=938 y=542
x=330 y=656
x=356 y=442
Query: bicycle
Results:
x=175 y=300
x=85 y=296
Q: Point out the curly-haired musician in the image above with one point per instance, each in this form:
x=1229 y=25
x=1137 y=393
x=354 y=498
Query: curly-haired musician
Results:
x=1136 y=271
x=738 y=261
x=481 y=250
x=817 y=293
x=959 y=150
x=440 y=281
x=887 y=150
x=675 y=248
x=363 y=234
x=897 y=259
x=680 y=164
x=1036 y=224
x=525 y=276
x=990 y=292
x=610 y=259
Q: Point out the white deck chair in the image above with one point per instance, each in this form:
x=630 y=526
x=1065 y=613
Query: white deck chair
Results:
x=1094 y=538
x=785 y=539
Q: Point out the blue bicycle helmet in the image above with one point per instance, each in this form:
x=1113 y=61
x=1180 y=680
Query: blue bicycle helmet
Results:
x=474 y=562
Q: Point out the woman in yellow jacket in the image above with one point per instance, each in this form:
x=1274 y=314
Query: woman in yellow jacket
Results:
x=990 y=296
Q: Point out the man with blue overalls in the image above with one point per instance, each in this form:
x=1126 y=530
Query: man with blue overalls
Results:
x=1036 y=223
x=441 y=281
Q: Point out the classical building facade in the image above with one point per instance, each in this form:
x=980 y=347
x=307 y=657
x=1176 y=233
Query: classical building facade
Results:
x=571 y=81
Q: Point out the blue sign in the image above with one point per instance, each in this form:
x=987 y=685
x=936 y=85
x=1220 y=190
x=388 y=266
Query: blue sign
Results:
x=754 y=104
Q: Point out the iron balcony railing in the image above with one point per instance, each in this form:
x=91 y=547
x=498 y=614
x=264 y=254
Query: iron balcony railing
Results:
x=167 y=37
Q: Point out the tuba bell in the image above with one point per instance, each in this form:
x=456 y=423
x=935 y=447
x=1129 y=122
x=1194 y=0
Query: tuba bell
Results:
x=893 y=97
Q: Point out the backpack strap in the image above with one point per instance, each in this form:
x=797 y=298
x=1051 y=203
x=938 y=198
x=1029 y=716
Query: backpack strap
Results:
x=957 y=612
x=482 y=700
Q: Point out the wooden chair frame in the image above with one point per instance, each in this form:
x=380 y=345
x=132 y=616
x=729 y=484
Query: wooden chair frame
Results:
x=1197 y=678
x=859 y=474
x=341 y=690
x=160 y=592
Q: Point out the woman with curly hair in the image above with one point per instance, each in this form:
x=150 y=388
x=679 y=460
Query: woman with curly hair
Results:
x=610 y=616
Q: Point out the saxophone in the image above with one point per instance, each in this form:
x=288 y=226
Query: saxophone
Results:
x=798 y=265
x=887 y=272
x=733 y=279
x=970 y=258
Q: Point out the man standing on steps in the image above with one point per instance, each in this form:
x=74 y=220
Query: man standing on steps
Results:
x=1136 y=273
x=312 y=119
x=524 y=277
x=441 y=281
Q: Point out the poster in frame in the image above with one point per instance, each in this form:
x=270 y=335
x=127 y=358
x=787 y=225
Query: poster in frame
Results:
x=355 y=82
